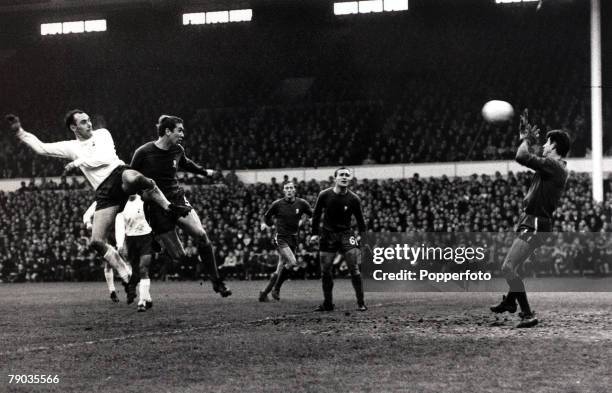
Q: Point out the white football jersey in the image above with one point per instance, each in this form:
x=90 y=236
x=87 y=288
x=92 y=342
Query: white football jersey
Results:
x=130 y=222
x=96 y=157
x=134 y=218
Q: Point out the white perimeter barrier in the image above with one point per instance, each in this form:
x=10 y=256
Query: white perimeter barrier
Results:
x=394 y=171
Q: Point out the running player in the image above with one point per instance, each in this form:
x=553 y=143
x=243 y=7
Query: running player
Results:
x=547 y=186
x=287 y=211
x=339 y=204
x=135 y=242
x=161 y=160
x=93 y=152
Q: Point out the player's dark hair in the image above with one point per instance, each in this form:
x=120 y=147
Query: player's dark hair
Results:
x=167 y=122
x=340 y=169
x=69 y=117
x=561 y=140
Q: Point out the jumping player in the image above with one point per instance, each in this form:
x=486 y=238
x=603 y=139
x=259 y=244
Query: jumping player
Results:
x=135 y=242
x=108 y=269
x=339 y=204
x=547 y=186
x=161 y=160
x=93 y=152
x=287 y=212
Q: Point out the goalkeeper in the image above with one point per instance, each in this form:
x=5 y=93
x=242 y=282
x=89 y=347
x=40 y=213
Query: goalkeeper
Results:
x=547 y=186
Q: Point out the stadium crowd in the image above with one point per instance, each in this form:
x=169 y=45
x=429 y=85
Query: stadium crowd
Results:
x=43 y=238
x=370 y=101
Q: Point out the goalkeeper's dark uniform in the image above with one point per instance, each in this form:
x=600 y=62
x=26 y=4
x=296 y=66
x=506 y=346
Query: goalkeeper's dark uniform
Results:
x=547 y=186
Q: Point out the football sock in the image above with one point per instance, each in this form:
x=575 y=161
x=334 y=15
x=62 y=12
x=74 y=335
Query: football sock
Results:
x=522 y=301
x=115 y=260
x=358 y=286
x=283 y=276
x=144 y=294
x=207 y=256
x=110 y=279
x=271 y=283
x=516 y=286
x=327 y=282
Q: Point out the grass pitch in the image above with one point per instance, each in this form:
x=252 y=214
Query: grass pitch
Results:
x=194 y=341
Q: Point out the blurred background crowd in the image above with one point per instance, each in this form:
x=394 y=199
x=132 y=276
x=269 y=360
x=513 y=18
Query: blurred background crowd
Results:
x=343 y=92
x=43 y=237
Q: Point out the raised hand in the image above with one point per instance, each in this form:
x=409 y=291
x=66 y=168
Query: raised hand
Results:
x=13 y=122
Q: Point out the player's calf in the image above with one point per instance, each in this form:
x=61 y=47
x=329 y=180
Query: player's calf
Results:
x=207 y=256
x=113 y=258
x=263 y=297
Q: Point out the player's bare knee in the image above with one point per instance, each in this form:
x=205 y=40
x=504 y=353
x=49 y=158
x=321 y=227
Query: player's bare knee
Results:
x=144 y=271
x=98 y=245
x=134 y=182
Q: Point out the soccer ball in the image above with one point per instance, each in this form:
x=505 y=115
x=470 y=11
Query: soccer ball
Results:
x=496 y=111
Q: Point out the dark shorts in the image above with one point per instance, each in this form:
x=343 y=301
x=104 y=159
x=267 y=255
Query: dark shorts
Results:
x=282 y=241
x=533 y=229
x=110 y=192
x=159 y=219
x=138 y=246
x=337 y=241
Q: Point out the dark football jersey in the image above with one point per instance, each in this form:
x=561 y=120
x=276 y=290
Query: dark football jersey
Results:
x=338 y=209
x=287 y=215
x=547 y=184
x=162 y=165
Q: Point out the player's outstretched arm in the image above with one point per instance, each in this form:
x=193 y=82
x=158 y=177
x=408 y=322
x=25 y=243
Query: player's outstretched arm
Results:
x=190 y=166
x=62 y=149
x=529 y=135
